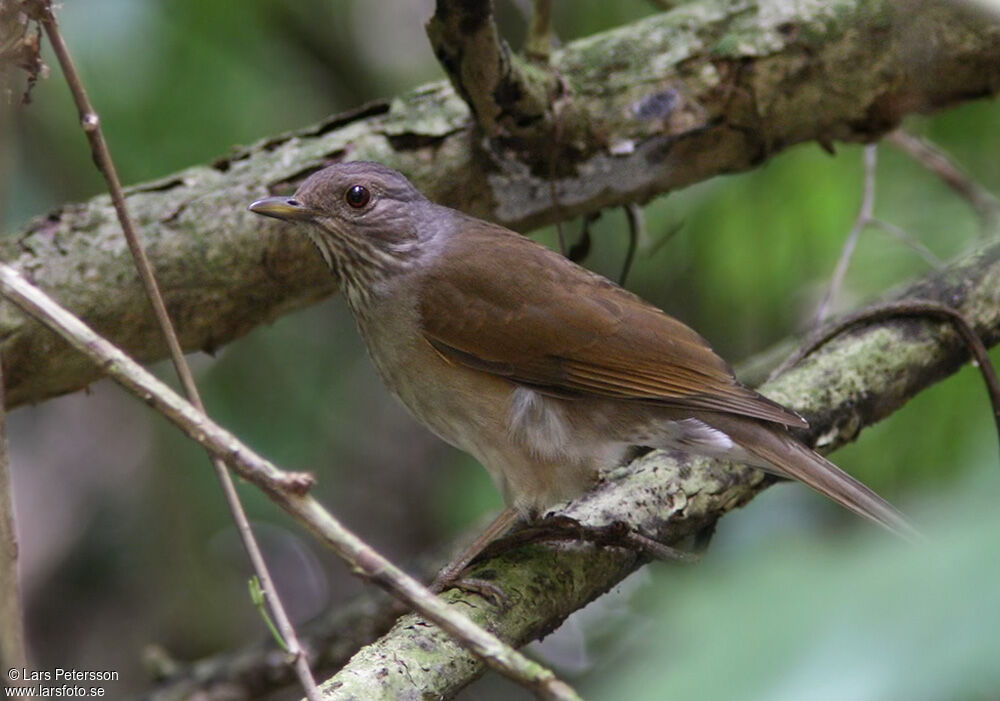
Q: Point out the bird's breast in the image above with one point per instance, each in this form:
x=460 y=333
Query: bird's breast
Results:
x=464 y=407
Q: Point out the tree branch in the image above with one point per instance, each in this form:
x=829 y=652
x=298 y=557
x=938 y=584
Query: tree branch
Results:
x=709 y=88
x=508 y=97
x=987 y=206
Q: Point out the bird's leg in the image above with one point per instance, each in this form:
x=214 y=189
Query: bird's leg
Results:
x=450 y=573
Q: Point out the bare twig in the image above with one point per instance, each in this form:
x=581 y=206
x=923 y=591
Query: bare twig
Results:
x=908 y=241
x=665 y=238
x=579 y=251
x=538 y=43
x=255 y=671
x=105 y=164
x=636 y=231
x=286 y=489
x=12 y=650
x=864 y=217
x=986 y=205
x=555 y=109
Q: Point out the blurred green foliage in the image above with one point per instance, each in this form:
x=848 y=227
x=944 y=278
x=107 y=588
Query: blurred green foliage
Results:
x=783 y=608
x=794 y=618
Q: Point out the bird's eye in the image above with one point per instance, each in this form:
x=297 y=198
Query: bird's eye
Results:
x=357 y=196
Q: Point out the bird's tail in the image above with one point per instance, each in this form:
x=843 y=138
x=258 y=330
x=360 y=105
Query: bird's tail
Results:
x=791 y=458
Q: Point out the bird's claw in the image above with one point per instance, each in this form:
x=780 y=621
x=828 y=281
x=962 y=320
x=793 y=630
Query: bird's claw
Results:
x=473 y=585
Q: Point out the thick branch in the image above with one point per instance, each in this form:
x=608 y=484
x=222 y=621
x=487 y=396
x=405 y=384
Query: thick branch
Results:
x=851 y=383
x=708 y=88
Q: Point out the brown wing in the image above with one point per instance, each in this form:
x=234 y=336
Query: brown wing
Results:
x=545 y=322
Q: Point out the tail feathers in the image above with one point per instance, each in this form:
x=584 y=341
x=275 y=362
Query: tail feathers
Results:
x=792 y=458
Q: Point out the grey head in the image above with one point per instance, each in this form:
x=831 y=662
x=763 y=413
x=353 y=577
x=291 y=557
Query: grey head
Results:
x=366 y=219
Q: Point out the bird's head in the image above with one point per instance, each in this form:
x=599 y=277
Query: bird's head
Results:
x=365 y=219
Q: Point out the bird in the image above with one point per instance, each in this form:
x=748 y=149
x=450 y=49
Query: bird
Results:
x=544 y=371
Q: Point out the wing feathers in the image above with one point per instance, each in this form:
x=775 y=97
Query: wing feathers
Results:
x=532 y=316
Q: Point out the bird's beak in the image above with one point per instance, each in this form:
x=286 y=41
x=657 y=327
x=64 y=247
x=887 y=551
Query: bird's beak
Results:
x=285 y=208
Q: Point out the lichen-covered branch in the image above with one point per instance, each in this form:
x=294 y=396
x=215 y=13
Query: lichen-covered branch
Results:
x=848 y=384
x=712 y=87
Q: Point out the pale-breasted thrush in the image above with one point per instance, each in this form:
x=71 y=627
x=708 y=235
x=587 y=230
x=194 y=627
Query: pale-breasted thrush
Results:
x=542 y=370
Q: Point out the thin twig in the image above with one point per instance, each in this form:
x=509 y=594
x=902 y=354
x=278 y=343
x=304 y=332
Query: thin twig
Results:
x=105 y=164
x=864 y=217
x=659 y=551
x=986 y=205
x=910 y=308
x=579 y=251
x=538 y=43
x=553 y=170
x=666 y=238
x=12 y=649
x=285 y=489
x=636 y=229
x=908 y=241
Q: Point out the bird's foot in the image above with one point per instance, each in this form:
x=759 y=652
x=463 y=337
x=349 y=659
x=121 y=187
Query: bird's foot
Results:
x=473 y=585
x=617 y=534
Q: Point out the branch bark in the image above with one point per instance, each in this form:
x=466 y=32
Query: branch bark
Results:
x=709 y=88
x=852 y=382
x=507 y=96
